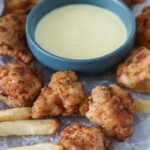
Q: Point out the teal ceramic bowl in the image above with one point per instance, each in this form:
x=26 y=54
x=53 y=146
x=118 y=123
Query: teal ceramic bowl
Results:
x=88 y=66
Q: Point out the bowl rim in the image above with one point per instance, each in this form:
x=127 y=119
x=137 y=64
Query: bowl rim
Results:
x=39 y=48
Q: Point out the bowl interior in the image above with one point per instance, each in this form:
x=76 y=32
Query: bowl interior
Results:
x=114 y=6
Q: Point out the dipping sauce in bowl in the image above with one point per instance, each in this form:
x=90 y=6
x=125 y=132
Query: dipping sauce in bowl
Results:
x=80 y=31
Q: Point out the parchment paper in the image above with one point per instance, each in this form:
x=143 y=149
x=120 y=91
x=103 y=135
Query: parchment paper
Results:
x=141 y=126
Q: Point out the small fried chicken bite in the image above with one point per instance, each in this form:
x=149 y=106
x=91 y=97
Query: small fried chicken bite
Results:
x=63 y=96
x=20 y=6
x=138 y=1
x=77 y=137
x=19 y=84
x=112 y=109
x=143 y=28
x=131 y=3
x=13 y=38
x=70 y=91
x=134 y=72
x=47 y=104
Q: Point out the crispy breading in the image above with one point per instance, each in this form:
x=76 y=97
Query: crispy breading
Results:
x=143 y=28
x=47 y=104
x=146 y=9
x=19 y=84
x=77 y=137
x=70 y=91
x=112 y=109
x=134 y=72
x=13 y=38
x=84 y=106
x=131 y=3
x=63 y=96
x=138 y=1
x=20 y=6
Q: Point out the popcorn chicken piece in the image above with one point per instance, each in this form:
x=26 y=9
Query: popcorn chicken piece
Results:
x=20 y=6
x=112 y=109
x=134 y=72
x=13 y=38
x=19 y=84
x=138 y=1
x=62 y=96
x=143 y=28
x=47 y=104
x=76 y=137
x=131 y=3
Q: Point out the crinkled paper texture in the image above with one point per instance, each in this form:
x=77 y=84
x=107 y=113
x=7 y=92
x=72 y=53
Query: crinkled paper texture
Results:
x=141 y=126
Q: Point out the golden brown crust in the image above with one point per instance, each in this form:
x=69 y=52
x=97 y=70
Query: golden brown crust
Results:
x=112 y=109
x=138 y=1
x=47 y=104
x=143 y=28
x=20 y=6
x=19 y=84
x=64 y=83
x=131 y=3
x=12 y=38
x=77 y=137
x=146 y=9
x=134 y=72
x=62 y=96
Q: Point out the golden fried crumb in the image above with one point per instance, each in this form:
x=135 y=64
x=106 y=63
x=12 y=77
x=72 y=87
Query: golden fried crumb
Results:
x=47 y=104
x=112 y=109
x=12 y=38
x=131 y=3
x=77 y=137
x=19 y=84
x=20 y=6
x=138 y=1
x=134 y=72
x=143 y=28
x=63 y=96
x=146 y=9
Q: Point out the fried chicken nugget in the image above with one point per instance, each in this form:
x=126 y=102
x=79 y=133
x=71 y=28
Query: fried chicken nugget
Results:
x=20 y=6
x=130 y=3
x=77 y=137
x=112 y=109
x=70 y=91
x=143 y=28
x=47 y=104
x=19 y=84
x=62 y=96
x=138 y=1
x=13 y=39
x=134 y=72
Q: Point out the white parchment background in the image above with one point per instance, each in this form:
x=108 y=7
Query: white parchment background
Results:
x=141 y=126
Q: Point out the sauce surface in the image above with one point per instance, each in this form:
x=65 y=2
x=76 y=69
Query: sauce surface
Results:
x=80 y=32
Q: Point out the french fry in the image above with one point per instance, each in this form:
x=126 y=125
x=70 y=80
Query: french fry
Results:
x=42 y=146
x=15 y=114
x=142 y=106
x=28 y=127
